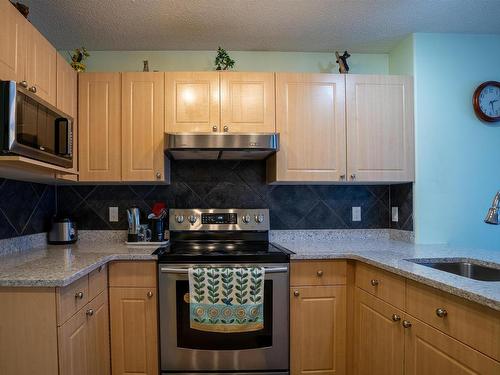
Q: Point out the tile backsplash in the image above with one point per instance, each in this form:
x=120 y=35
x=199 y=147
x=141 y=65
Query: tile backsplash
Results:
x=25 y=208
x=223 y=184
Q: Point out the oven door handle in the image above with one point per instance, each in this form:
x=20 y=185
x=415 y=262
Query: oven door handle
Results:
x=186 y=270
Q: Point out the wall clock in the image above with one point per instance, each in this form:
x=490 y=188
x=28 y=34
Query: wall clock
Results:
x=486 y=101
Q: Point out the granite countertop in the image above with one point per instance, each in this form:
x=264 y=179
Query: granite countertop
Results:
x=52 y=266
x=392 y=255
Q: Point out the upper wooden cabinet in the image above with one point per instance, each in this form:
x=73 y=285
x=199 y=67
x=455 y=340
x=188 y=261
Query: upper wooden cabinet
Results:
x=217 y=102
x=380 y=139
x=192 y=102
x=310 y=118
x=12 y=43
x=41 y=65
x=99 y=120
x=142 y=126
x=247 y=102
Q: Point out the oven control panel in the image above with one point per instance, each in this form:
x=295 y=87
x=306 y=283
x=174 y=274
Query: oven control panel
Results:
x=219 y=219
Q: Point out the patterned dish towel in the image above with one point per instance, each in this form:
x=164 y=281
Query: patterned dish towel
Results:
x=226 y=299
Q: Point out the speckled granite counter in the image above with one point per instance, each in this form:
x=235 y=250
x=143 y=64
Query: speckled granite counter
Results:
x=376 y=248
x=61 y=265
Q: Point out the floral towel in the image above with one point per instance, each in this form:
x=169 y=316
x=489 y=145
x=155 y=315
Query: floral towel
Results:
x=226 y=299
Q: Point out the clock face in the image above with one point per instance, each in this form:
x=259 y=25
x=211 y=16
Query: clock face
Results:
x=487 y=101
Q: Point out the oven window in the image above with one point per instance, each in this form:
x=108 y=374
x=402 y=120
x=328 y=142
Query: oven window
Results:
x=194 y=339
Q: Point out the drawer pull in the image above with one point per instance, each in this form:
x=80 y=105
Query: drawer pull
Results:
x=90 y=312
x=406 y=324
x=79 y=295
x=441 y=312
x=296 y=293
x=32 y=89
x=319 y=273
x=374 y=282
x=395 y=318
x=150 y=294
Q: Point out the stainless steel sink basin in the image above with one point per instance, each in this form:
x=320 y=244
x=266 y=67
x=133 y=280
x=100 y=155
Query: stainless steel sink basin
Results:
x=466 y=268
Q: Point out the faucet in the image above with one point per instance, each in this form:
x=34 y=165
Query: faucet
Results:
x=492 y=215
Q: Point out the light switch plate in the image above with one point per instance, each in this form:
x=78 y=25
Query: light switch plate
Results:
x=113 y=214
x=356 y=214
x=395 y=214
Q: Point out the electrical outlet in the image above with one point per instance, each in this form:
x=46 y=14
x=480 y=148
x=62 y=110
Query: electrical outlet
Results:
x=356 y=214
x=395 y=214
x=113 y=214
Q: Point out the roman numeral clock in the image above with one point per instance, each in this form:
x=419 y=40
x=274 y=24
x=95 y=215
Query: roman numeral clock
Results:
x=486 y=101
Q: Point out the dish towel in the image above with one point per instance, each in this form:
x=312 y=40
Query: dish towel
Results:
x=226 y=299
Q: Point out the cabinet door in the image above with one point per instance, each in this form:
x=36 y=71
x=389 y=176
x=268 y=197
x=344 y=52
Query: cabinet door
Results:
x=67 y=102
x=142 y=126
x=41 y=65
x=73 y=345
x=12 y=43
x=192 y=102
x=378 y=336
x=380 y=140
x=134 y=331
x=98 y=335
x=431 y=352
x=99 y=126
x=310 y=117
x=247 y=102
x=318 y=330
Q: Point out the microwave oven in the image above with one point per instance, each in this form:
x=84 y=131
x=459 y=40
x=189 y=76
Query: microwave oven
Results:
x=31 y=127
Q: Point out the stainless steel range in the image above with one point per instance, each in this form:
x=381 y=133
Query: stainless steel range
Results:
x=222 y=237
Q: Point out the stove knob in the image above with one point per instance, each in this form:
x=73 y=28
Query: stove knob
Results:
x=179 y=219
x=192 y=219
x=259 y=218
x=246 y=219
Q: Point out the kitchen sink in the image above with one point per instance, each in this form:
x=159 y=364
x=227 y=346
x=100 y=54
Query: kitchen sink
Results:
x=465 y=268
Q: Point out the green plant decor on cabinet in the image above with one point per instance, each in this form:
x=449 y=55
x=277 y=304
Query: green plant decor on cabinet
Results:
x=222 y=60
x=78 y=58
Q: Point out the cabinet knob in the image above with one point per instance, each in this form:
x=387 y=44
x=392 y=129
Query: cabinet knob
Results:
x=150 y=294
x=296 y=293
x=90 y=312
x=406 y=324
x=158 y=175
x=79 y=295
x=214 y=128
x=374 y=282
x=342 y=177
x=353 y=176
x=319 y=273
x=395 y=318
x=226 y=128
x=24 y=84
x=441 y=312
x=32 y=89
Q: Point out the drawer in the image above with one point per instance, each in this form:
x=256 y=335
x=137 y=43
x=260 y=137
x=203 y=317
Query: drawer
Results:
x=475 y=325
x=98 y=281
x=71 y=298
x=381 y=284
x=140 y=274
x=324 y=272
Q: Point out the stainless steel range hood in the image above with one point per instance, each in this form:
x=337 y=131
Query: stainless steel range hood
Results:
x=223 y=146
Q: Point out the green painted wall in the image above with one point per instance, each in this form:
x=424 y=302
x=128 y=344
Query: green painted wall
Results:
x=401 y=57
x=245 y=61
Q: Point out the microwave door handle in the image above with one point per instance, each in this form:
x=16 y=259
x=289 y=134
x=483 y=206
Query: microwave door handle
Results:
x=186 y=270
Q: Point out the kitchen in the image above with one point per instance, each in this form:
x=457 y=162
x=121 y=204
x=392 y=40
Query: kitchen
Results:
x=285 y=215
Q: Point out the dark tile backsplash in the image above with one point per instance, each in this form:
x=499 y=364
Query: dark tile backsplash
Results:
x=25 y=208
x=223 y=184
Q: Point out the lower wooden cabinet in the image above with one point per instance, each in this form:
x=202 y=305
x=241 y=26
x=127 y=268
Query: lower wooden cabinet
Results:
x=84 y=340
x=378 y=336
x=431 y=352
x=134 y=331
x=318 y=329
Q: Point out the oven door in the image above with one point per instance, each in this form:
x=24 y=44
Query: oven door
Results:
x=190 y=350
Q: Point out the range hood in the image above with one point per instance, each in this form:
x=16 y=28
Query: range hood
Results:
x=221 y=146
